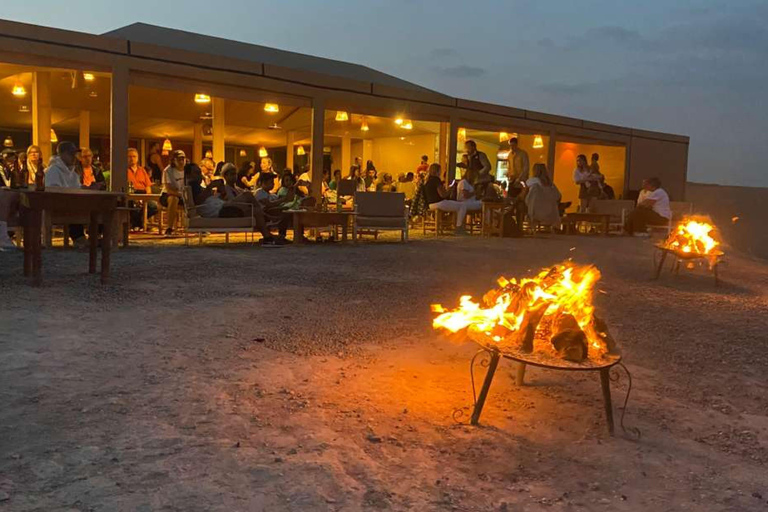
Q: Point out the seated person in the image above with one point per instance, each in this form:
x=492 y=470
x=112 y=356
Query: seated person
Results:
x=246 y=176
x=61 y=173
x=436 y=195
x=542 y=198
x=385 y=184
x=228 y=190
x=273 y=205
x=465 y=193
x=209 y=203
x=336 y=179
x=288 y=186
x=91 y=175
x=408 y=187
x=141 y=183
x=652 y=208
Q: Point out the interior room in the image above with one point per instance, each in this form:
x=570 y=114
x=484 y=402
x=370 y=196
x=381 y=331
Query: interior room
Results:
x=495 y=145
x=612 y=165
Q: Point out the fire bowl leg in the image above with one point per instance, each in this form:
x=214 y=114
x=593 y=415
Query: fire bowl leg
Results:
x=520 y=375
x=495 y=356
x=661 y=264
x=605 y=382
x=717 y=277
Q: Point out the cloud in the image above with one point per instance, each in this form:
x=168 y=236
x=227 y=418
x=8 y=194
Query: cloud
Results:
x=443 y=53
x=461 y=71
x=563 y=89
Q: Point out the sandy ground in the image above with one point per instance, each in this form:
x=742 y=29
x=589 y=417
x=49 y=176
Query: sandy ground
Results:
x=308 y=378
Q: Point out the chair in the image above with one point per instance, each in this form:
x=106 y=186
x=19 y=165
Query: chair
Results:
x=380 y=211
x=618 y=209
x=194 y=223
x=679 y=210
x=493 y=215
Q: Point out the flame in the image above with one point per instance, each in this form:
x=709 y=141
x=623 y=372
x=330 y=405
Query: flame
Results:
x=565 y=289
x=693 y=235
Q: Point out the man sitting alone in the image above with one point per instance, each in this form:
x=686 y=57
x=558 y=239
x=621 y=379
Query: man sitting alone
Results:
x=652 y=208
x=273 y=205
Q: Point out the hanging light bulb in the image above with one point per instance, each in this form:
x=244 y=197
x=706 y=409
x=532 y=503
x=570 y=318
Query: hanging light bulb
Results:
x=54 y=137
x=263 y=152
x=503 y=137
x=89 y=77
x=243 y=153
x=538 y=142
x=272 y=108
x=167 y=146
x=364 y=126
x=300 y=151
x=8 y=142
x=202 y=99
x=19 y=91
x=407 y=124
x=399 y=121
x=342 y=116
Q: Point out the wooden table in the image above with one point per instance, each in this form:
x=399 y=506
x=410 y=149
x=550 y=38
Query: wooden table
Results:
x=145 y=199
x=100 y=206
x=571 y=219
x=311 y=219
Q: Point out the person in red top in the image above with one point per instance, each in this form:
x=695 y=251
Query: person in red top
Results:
x=141 y=183
x=423 y=166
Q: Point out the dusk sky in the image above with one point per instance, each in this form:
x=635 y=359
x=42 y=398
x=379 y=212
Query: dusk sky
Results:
x=696 y=68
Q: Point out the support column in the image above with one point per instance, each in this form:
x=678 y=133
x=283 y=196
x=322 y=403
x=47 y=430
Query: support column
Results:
x=197 y=142
x=85 y=129
x=119 y=127
x=453 y=137
x=290 y=151
x=443 y=147
x=551 y=153
x=41 y=112
x=143 y=152
x=318 y=140
x=346 y=152
x=218 y=130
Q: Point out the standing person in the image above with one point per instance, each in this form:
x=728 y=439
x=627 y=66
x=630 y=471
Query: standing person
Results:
x=517 y=172
x=91 y=175
x=155 y=162
x=358 y=163
x=478 y=166
x=652 y=208
x=589 y=183
x=594 y=165
x=437 y=198
x=173 y=185
x=423 y=167
x=34 y=163
x=61 y=173
x=370 y=175
x=141 y=183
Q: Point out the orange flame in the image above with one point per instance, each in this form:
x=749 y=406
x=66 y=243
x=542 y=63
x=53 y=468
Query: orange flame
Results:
x=563 y=290
x=693 y=235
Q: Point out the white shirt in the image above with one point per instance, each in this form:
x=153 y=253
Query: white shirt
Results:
x=464 y=186
x=534 y=180
x=661 y=204
x=59 y=175
x=173 y=179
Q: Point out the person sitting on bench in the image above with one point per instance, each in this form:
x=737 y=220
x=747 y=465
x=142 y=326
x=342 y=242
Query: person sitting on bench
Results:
x=652 y=208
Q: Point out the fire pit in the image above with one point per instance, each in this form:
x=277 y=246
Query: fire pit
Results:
x=692 y=241
x=546 y=321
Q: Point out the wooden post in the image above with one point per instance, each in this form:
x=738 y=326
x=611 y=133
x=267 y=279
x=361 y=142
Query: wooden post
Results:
x=85 y=129
x=443 y=148
x=119 y=127
x=218 y=130
x=143 y=154
x=41 y=113
x=197 y=143
x=318 y=140
x=520 y=374
x=346 y=152
x=290 y=137
x=551 y=153
x=453 y=137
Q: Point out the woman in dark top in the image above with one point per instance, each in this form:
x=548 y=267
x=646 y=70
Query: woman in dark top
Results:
x=434 y=190
x=246 y=176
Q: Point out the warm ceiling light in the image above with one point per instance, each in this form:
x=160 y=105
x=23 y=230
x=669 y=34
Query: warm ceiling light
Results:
x=8 y=142
x=54 y=137
x=503 y=136
x=243 y=153
x=263 y=152
x=407 y=124
x=167 y=146
x=342 y=116
x=19 y=91
x=272 y=108
x=209 y=154
x=202 y=99
x=538 y=142
x=89 y=77
x=399 y=121
x=462 y=134
x=364 y=126
x=300 y=151
x=326 y=149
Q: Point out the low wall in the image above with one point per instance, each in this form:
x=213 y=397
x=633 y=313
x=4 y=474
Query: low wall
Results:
x=749 y=233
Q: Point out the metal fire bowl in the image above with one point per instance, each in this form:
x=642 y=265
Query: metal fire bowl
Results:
x=689 y=255
x=540 y=359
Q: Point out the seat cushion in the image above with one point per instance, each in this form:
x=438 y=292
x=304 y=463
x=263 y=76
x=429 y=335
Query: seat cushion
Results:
x=380 y=222
x=218 y=222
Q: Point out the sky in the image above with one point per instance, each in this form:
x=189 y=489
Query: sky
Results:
x=696 y=68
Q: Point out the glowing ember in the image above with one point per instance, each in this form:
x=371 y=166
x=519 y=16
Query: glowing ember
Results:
x=551 y=313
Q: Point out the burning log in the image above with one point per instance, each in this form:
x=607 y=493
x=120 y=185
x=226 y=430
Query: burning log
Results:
x=569 y=340
x=525 y=334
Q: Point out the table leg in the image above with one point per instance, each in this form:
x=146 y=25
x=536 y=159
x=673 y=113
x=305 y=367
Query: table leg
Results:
x=144 y=208
x=605 y=382
x=606 y=224
x=108 y=218
x=520 y=374
x=37 y=248
x=717 y=277
x=495 y=356
x=26 y=220
x=93 y=242
x=661 y=264
x=298 y=231
x=344 y=231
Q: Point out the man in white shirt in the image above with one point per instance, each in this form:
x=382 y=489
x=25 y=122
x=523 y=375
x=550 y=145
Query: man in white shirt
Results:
x=652 y=208
x=61 y=170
